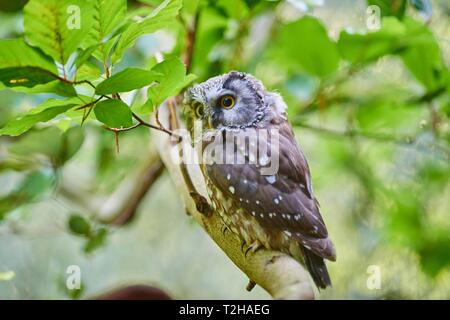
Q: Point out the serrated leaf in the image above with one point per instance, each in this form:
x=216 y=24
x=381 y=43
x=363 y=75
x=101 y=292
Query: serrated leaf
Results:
x=45 y=112
x=127 y=80
x=57 y=26
x=16 y=53
x=25 y=76
x=113 y=113
x=108 y=16
x=79 y=225
x=161 y=17
x=174 y=79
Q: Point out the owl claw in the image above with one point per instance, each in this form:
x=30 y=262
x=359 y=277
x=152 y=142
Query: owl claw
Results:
x=242 y=245
x=224 y=229
x=253 y=248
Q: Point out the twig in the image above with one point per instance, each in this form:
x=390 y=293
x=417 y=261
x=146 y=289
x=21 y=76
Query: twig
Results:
x=159 y=128
x=190 y=42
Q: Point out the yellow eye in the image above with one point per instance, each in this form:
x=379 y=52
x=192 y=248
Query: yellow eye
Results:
x=227 y=102
x=198 y=109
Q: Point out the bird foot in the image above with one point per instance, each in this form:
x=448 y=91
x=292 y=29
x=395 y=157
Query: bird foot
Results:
x=255 y=246
x=224 y=229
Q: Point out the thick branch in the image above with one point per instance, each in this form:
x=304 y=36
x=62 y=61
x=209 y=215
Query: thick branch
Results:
x=279 y=274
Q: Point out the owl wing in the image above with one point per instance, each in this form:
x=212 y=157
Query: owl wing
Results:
x=283 y=202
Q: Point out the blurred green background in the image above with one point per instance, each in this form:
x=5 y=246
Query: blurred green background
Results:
x=370 y=109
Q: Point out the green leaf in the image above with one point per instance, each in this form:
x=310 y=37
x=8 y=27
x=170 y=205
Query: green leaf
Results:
x=57 y=26
x=430 y=70
x=358 y=48
x=16 y=53
x=313 y=52
x=84 y=55
x=72 y=140
x=96 y=240
x=127 y=80
x=161 y=17
x=174 y=79
x=79 y=225
x=389 y=7
x=113 y=113
x=25 y=76
x=60 y=88
x=33 y=186
x=108 y=16
x=36 y=143
x=45 y=112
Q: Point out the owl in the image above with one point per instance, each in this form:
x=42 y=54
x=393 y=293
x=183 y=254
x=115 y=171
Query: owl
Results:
x=266 y=205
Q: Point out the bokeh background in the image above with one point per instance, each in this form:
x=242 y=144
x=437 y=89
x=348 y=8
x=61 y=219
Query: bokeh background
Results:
x=376 y=133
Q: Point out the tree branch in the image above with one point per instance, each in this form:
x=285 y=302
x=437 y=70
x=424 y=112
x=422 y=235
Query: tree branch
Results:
x=279 y=274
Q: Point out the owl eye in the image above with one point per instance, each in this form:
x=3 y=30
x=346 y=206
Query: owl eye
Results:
x=198 y=109
x=227 y=102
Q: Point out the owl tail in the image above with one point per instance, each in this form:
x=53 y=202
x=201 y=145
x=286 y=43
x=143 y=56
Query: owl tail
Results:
x=317 y=268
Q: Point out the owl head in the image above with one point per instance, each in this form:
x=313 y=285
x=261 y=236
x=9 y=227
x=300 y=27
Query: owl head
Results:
x=233 y=100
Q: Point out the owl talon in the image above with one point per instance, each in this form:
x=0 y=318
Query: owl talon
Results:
x=224 y=229
x=242 y=245
x=253 y=248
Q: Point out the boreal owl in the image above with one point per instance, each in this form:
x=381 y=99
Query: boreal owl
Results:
x=273 y=209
